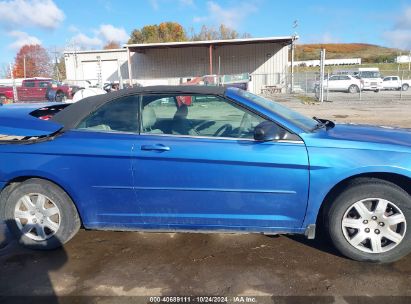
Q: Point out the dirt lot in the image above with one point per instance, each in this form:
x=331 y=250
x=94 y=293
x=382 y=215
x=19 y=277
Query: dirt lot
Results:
x=124 y=263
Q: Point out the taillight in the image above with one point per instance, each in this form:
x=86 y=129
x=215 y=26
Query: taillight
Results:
x=45 y=117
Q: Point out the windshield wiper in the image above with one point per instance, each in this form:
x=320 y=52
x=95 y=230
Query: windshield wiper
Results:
x=323 y=123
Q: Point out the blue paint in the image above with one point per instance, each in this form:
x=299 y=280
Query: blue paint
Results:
x=201 y=184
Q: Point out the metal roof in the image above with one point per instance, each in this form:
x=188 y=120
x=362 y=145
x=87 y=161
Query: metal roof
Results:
x=95 y=51
x=141 y=46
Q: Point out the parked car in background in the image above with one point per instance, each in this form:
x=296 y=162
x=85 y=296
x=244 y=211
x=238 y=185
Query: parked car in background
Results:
x=340 y=83
x=370 y=79
x=395 y=83
x=35 y=89
x=192 y=158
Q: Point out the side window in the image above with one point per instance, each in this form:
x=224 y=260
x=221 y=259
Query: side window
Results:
x=197 y=115
x=44 y=84
x=29 y=84
x=120 y=115
x=345 y=78
x=334 y=78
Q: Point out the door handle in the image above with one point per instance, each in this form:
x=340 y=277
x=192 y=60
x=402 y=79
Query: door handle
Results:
x=156 y=147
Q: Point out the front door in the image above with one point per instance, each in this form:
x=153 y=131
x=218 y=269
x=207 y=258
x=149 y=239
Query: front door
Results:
x=197 y=166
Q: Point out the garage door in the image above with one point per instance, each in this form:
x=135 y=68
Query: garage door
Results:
x=108 y=71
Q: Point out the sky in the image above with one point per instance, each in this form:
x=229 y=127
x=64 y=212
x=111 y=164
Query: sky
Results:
x=89 y=24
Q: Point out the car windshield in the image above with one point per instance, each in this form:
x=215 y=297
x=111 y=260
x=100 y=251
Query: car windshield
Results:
x=369 y=74
x=298 y=119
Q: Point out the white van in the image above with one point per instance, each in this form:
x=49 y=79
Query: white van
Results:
x=370 y=79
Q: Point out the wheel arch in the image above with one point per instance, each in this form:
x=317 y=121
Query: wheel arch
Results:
x=19 y=179
x=401 y=181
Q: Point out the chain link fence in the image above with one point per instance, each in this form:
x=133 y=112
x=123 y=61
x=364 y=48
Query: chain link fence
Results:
x=393 y=85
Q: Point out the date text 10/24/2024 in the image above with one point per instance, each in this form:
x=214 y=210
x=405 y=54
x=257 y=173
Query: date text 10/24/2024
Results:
x=203 y=299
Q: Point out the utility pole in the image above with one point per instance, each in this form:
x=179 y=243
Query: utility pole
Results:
x=409 y=61
x=294 y=38
x=24 y=65
x=322 y=64
x=15 y=97
x=56 y=68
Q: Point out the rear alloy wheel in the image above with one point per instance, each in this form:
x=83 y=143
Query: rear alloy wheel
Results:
x=369 y=221
x=405 y=87
x=39 y=214
x=353 y=89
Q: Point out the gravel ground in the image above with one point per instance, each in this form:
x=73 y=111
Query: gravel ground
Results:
x=98 y=263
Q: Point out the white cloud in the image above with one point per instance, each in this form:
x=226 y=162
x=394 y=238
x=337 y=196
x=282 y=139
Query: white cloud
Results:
x=22 y=38
x=85 y=42
x=400 y=35
x=104 y=34
x=110 y=33
x=38 y=13
x=229 y=16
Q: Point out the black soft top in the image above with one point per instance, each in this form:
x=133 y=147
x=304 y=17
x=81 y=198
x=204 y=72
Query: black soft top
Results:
x=71 y=116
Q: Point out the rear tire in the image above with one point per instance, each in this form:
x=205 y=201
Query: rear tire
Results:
x=39 y=214
x=405 y=87
x=379 y=242
x=353 y=89
x=60 y=96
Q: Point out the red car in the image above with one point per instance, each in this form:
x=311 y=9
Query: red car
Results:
x=35 y=89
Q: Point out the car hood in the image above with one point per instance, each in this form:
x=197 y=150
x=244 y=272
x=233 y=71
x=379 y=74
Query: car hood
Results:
x=18 y=122
x=370 y=134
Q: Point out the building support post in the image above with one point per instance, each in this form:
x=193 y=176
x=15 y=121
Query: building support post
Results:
x=210 y=53
x=130 y=73
x=292 y=65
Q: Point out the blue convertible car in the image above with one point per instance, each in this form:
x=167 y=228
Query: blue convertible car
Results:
x=190 y=158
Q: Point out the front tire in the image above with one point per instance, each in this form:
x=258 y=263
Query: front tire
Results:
x=371 y=221
x=40 y=214
x=353 y=89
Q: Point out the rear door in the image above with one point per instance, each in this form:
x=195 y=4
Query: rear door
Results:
x=26 y=91
x=99 y=153
x=39 y=93
x=197 y=166
x=388 y=83
x=332 y=83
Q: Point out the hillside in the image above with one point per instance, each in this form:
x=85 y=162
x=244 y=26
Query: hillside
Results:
x=368 y=52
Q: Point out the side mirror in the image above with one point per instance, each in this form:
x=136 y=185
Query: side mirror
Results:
x=267 y=131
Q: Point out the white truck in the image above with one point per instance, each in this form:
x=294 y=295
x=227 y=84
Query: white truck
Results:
x=395 y=83
x=370 y=79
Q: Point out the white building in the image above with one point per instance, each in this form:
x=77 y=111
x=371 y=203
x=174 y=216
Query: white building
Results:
x=403 y=58
x=265 y=59
x=343 y=61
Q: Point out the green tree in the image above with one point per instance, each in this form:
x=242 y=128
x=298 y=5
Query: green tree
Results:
x=164 y=32
x=223 y=32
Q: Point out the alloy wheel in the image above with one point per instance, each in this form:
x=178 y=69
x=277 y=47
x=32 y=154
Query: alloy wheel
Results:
x=374 y=225
x=37 y=216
